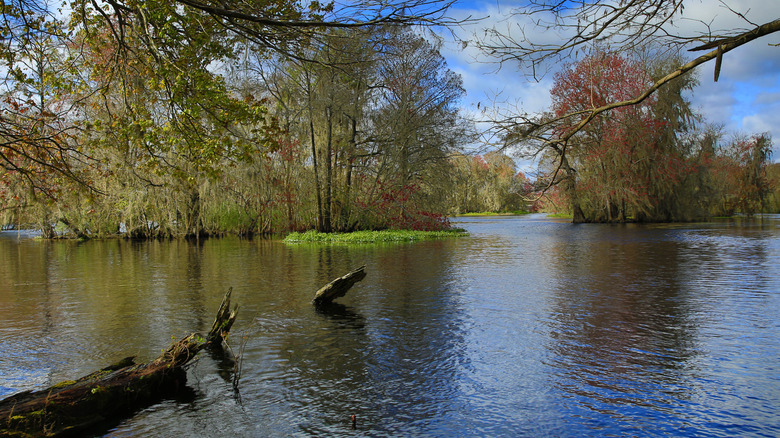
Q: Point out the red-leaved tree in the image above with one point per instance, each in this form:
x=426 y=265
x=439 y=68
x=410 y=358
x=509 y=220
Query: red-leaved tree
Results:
x=618 y=167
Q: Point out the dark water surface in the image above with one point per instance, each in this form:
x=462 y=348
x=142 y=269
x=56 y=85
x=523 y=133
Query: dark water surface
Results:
x=529 y=327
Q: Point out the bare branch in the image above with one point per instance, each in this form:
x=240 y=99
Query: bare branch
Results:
x=420 y=11
x=630 y=23
x=530 y=130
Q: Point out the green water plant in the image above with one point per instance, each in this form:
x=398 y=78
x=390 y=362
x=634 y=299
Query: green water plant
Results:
x=560 y=215
x=372 y=236
x=492 y=213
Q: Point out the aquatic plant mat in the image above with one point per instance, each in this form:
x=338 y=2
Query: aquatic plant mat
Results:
x=372 y=236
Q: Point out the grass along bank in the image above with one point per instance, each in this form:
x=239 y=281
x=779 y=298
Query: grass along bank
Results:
x=372 y=236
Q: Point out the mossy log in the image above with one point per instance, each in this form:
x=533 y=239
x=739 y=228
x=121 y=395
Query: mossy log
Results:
x=113 y=392
x=339 y=287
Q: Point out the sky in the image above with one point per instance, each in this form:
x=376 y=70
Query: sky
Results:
x=745 y=100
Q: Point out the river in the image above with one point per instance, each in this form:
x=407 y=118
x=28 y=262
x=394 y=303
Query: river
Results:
x=528 y=327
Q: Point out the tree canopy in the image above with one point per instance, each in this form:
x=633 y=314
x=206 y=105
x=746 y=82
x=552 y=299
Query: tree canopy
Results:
x=555 y=33
x=193 y=117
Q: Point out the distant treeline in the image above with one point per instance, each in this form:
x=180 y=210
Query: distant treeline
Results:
x=712 y=181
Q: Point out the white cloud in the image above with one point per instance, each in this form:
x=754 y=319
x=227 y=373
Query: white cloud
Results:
x=760 y=123
x=490 y=85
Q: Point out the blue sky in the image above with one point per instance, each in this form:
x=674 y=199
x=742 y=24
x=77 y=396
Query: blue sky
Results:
x=745 y=100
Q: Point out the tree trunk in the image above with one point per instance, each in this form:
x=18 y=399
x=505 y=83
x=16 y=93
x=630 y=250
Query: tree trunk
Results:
x=112 y=392
x=192 y=221
x=76 y=230
x=346 y=212
x=317 y=189
x=578 y=216
x=328 y=204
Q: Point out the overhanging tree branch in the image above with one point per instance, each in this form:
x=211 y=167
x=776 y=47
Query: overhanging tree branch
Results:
x=527 y=130
x=551 y=133
x=387 y=13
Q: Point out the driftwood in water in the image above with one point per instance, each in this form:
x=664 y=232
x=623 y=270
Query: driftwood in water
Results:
x=339 y=287
x=112 y=392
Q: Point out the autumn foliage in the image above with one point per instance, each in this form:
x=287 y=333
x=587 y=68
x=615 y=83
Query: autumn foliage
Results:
x=632 y=163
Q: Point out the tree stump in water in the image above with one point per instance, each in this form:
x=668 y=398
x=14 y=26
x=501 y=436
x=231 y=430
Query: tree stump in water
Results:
x=115 y=391
x=339 y=287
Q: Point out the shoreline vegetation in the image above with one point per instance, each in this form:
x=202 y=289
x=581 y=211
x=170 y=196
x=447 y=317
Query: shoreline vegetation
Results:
x=492 y=213
x=559 y=215
x=314 y=236
x=348 y=237
x=372 y=236
x=310 y=236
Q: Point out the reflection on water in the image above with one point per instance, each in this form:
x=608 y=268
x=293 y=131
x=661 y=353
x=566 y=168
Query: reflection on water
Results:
x=623 y=330
x=530 y=327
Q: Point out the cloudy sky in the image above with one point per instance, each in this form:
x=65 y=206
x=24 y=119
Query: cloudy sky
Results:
x=746 y=98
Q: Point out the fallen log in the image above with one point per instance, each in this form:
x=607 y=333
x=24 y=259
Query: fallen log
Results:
x=117 y=390
x=339 y=287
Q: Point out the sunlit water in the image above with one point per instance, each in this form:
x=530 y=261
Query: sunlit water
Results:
x=529 y=327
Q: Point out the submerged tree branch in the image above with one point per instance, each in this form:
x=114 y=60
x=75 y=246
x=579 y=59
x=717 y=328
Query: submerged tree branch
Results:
x=117 y=390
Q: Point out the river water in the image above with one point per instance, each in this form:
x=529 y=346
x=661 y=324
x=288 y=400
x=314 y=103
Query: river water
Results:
x=528 y=327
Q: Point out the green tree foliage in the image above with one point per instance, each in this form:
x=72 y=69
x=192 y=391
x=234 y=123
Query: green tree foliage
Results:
x=153 y=137
x=418 y=124
x=39 y=161
x=165 y=127
x=773 y=199
x=489 y=183
x=378 y=115
x=191 y=129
